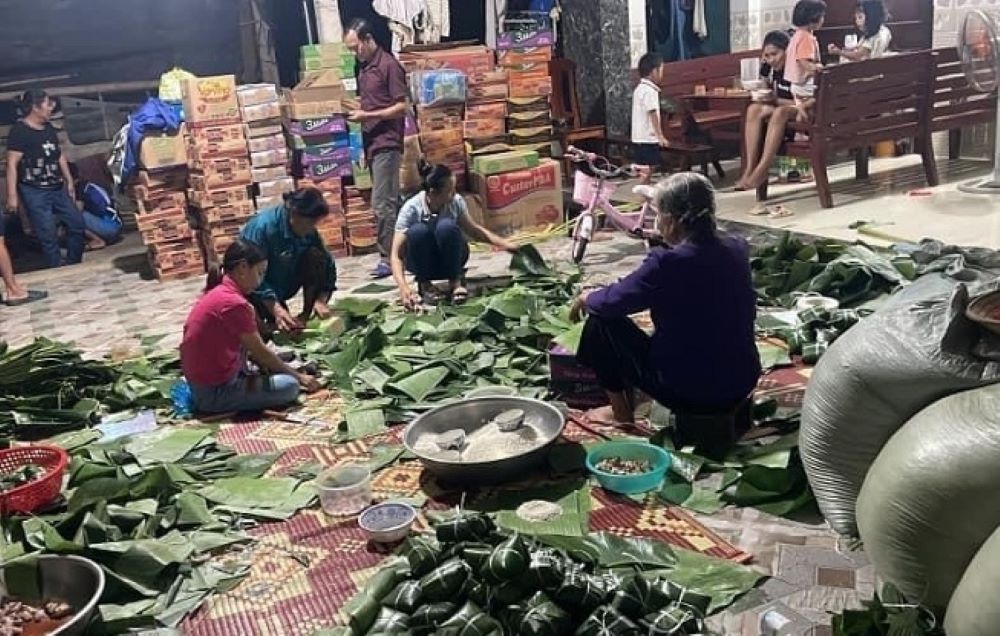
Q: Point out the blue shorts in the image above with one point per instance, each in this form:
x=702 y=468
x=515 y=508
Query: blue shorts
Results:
x=646 y=154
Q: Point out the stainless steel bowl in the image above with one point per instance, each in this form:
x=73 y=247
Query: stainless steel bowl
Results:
x=74 y=580
x=469 y=415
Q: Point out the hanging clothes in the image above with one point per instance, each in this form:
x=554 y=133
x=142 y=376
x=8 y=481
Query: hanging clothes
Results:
x=698 y=22
x=328 y=21
x=408 y=20
x=439 y=19
x=495 y=10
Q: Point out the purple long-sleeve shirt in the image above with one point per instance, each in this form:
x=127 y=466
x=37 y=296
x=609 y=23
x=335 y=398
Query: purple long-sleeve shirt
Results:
x=703 y=306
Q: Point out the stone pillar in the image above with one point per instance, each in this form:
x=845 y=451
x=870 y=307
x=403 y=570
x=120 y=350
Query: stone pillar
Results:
x=595 y=35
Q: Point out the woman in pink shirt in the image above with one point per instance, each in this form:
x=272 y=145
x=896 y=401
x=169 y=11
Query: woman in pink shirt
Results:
x=221 y=331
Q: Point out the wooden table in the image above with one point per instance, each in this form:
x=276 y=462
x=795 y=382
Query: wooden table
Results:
x=724 y=101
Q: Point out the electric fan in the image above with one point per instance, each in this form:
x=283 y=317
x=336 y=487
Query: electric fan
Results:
x=979 y=50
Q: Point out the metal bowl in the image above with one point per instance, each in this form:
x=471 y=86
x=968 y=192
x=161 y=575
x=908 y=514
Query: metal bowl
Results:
x=71 y=579
x=470 y=415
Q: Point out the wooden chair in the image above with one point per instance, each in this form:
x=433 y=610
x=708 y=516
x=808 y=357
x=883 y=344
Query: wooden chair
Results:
x=566 y=111
x=956 y=103
x=862 y=103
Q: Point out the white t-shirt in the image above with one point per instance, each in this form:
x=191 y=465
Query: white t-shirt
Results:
x=415 y=210
x=878 y=44
x=645 y=100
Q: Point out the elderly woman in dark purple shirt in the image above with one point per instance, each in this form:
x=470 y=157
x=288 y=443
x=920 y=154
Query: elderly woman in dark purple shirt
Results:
x=702 y=358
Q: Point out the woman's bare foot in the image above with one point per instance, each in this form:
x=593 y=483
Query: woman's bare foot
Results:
x=459 y=294
x=95 y=244
x=606 y=415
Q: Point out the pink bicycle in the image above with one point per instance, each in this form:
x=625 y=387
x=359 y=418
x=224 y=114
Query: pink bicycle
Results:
x=596 y=192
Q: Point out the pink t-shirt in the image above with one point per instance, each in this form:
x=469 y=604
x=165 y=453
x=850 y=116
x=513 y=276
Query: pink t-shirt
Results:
x=803 y=46
x=211 y=352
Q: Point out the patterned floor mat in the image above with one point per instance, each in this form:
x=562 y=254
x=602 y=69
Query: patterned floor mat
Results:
x=305 y=569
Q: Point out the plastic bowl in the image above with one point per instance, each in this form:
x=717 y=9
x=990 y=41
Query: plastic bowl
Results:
x=658 y=458
x=387 y=522
x=345 y=490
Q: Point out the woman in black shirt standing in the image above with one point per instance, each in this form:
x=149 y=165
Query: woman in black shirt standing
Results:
x=767 y=119
x=38 y=177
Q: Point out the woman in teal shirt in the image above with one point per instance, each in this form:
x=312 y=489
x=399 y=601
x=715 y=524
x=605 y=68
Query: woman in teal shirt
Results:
x=296 y=259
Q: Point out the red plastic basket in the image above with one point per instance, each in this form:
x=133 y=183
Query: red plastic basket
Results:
x=37 y=494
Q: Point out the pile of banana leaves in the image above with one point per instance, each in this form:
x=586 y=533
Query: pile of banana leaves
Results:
x=474 y=579
x=151 y=510
x=47 y=387
x=887 y=613
x=388 y=363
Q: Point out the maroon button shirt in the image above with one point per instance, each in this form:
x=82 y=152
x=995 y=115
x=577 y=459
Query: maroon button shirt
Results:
x=381 y=84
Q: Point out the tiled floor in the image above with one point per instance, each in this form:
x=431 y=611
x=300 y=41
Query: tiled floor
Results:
x=106 y=304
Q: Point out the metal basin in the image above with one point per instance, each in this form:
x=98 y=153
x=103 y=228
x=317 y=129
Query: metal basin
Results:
x=74 y=580
x=471 y=414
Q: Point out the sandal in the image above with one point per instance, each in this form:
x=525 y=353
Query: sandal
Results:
x=459 y=295
x=429 y=294
x=33 y=295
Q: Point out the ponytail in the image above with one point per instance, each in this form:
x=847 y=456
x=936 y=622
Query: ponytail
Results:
x=240 y=251
x=307 y=202
x=29 y=100
x=434 y=177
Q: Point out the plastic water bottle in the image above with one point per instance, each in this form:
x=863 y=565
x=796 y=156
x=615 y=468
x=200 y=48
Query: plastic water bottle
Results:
x=180 y=395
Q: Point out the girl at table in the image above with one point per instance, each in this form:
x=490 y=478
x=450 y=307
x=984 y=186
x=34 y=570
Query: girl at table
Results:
x=221 y=332
x=702 y=357
x=768 y=117
x=874 y=37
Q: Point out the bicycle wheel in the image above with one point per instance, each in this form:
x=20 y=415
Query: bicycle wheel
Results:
x=582 y=232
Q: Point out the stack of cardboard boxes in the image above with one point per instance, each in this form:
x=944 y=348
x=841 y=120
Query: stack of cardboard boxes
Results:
x=525 y=56
x=219 y=161
x=318 y=59
x=163 y=223
x=332 y=227
x=159 y=191
x=260 y=110
x=361 y=229
x=518 y=191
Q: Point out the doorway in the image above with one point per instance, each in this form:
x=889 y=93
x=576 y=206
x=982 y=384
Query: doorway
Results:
x=687 y=29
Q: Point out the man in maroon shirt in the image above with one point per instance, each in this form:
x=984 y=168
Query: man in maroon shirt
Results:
x=383 y=92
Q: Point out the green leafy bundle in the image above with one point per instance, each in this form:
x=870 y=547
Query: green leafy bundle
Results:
x=473 y=578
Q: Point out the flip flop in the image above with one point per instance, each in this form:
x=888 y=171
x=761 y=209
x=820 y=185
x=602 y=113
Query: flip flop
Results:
x=459 y=295
x=780 y=212
x=33 y=295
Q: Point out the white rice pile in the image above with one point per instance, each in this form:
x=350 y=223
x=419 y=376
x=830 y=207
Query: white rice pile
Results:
x=486 y=444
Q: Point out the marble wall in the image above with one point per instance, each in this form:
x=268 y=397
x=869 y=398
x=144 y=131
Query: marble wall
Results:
x=596 y=35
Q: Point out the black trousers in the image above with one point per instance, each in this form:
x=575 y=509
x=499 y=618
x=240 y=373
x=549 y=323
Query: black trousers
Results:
x=618 y=353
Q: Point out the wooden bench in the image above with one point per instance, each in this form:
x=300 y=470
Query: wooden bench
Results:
x=710 y=118
x=956 y=102
x=682 y=155
x=860 y=104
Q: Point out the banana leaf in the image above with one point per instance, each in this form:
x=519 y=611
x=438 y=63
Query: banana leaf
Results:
x=542 y=617
x=389 y=621
x=279 y=497
x=580 y=591
x=422 y=553
x=443 y=582
x=405 y=597
x=364 y=607
x=606 y=621
x=639 y=596
x=508 y=561
x=420 y=384
x=359 y=424
x=165 y=445
x=355 y=307
x=572 y=496
x=528 y=261
x=470 y=620
x=464 y=527
x=426 y=618
x=672 y=620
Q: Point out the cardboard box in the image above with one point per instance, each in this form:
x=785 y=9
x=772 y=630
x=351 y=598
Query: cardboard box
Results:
x=221 y=172
x=515 y=57
x=265 y=158
x=261 y=112
x=522 y=200
x=276 y=187
x=486 y=92
x=219 y=197
x=215 y=134
x=298 y=142
x=543 y=149
x=328 y=49
x=316 y=154
x=468 y=59
x=162 y=150
x=230 y=148
x=268 y=202
x=329 y=125
x=168 y=201
x=322 y=87
x=482 y=128
x=254 y=94
x=498 y=76
x=271 y=142
x=310 y=110
x=486 y=110
x=210 y=99
x=534 y=119
x=171 y=179
x=505 y=162
x=530 y=136
x=268 y=173
x=333 y=168
x=441 y=140
x=238 y=213
x=530 y=104
x=531 y=86
x=525 y=39
x=266 y=128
